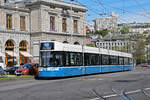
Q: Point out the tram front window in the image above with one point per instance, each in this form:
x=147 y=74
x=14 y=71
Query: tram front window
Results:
x=49 y=59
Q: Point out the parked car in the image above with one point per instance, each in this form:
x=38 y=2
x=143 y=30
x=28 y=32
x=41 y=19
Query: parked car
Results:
x=1 y=71
x=146 y=65
x=26 y=69
x=11 y=70
x=2 y=65
x=34 y=69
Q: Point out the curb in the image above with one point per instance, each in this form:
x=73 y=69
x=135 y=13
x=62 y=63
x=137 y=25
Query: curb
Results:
x=17 y=79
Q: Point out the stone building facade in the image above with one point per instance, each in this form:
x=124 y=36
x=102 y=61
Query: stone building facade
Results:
x=13 y=35
x=23 y=25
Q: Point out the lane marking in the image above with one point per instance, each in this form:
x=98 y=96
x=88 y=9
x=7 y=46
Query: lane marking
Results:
x=95 y=99
x=114 y=95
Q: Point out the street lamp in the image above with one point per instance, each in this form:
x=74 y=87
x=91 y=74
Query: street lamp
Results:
x=13 y=56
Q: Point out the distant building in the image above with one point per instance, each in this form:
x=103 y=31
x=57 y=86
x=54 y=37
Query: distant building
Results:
x=136 y=27
x=118 y=42
x=112 y=45
x=106 y=22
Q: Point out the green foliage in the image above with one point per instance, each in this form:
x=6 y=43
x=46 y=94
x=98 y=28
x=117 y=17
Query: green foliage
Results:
x=103 y=32
x=90 y=45
x=15 y=77
x=139 y=54
x=124 y=30
x=141 y=36
x=117 y=48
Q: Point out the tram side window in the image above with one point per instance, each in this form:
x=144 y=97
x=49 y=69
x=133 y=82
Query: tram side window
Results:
x=94 y=59
x=100 y=59
x=113 y=60
x=126 y=61
x=105 y=60
x=67 y=59
x=121 y=62
x=58 y=59
x=91 y=59
x=75 y=59
x=130 y=61
x=87 y=59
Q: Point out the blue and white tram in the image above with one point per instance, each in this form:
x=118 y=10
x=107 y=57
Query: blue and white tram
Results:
x=64 y=60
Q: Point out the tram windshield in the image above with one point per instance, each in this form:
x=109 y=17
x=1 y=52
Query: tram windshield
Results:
x=50 y=58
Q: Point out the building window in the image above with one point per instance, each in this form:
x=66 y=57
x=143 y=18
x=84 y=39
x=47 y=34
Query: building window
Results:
x=75 y=25
x=9 y=21
x=76 y=11
x=22 y=23
x=64 y=25
x=9 y=45
x=52 y=23
x=23 y=46
x=64 y=9
x=53 y=7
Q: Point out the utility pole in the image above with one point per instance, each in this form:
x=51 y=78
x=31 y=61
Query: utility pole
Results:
x=13 y=55
x=71 y=21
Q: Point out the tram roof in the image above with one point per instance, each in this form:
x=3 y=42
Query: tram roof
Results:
x=58 y=46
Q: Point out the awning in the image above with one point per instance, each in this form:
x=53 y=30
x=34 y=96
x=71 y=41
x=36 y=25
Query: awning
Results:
x=26 y=54
x=1 y=55
x=11 y=53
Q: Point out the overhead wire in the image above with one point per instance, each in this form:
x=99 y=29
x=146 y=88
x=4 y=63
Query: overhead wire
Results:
x=126 y=11
x=96 y=10
x=138 y=3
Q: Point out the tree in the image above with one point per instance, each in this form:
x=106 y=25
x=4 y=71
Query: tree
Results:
x=139 y=54
x=117 y=48
x=90 y=45
x=124 y=30
x=103 y=32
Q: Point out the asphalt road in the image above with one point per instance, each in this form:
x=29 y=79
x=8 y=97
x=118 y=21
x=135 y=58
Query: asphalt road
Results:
x=111 y=86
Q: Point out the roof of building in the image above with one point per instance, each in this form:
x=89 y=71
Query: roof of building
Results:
x=14 y=7
x=60 y=4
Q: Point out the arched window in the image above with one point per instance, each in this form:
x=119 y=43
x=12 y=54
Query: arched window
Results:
x=65 y=42
x=23 y=46
x=9 y=45
x=76 y=43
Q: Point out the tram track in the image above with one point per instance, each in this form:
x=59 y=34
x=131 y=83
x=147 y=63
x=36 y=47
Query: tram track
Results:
x=123 y=94
x=145 y=93
x=123 y=84
x=97 y=94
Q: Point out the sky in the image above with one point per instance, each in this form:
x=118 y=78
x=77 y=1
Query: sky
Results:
x=128 y=10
